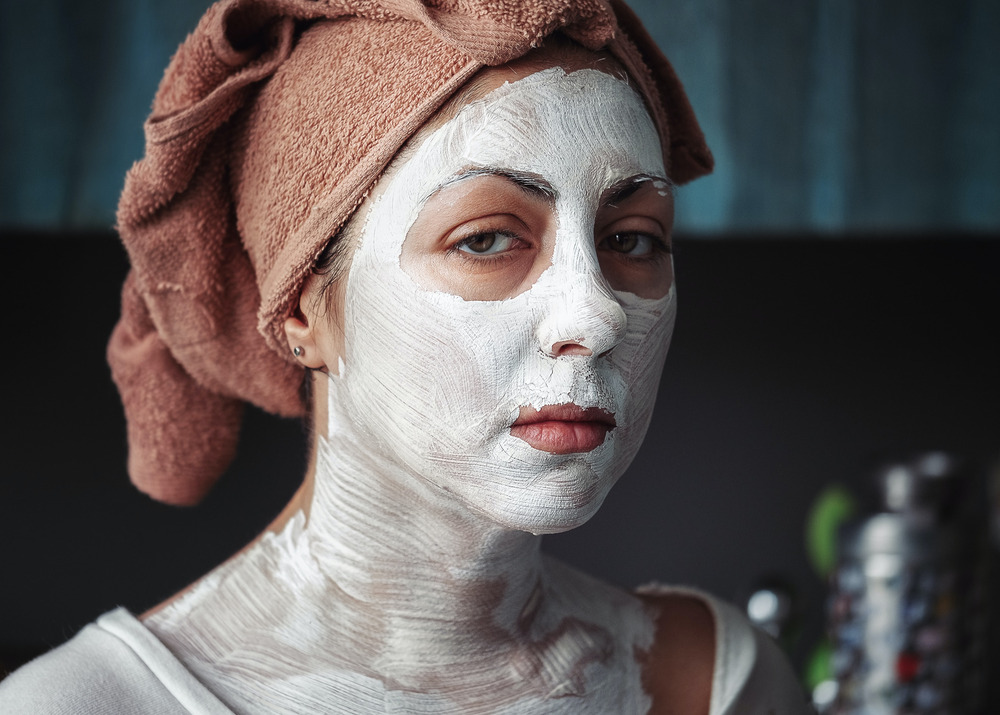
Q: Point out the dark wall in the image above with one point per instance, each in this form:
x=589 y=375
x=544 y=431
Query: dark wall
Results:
x=795 y=364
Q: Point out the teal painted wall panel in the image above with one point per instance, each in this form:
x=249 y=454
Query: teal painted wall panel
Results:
x=825 y=116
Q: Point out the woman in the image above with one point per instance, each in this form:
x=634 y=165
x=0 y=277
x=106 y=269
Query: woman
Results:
x=483 y=338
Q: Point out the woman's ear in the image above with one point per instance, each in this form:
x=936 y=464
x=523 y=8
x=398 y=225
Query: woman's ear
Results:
x=303 y=329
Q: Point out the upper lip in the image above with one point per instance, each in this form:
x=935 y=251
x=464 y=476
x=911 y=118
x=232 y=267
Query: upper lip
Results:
x=564 y=413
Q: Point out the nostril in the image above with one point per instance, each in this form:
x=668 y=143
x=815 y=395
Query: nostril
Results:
x=570 y=347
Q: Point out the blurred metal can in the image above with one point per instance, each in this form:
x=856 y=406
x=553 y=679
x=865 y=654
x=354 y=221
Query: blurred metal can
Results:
x=907 y=599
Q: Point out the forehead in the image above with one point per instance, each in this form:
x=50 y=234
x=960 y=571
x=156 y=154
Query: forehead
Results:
x=557 y=51
x=553 y=118
x=576 y=127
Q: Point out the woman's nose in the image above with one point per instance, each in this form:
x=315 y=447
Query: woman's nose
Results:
x=584 y=318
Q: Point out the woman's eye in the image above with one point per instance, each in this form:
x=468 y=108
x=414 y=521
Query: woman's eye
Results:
x=631 y=243
x=486 y=244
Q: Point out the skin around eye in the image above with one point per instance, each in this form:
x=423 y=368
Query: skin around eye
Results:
x=632 y=236
x=481 y=238
x=488 y=238
x=636 y=262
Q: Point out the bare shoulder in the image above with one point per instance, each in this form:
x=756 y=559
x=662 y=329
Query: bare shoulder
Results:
x=678 y=668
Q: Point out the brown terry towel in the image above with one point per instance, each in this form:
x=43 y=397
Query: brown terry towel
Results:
x=272 y=122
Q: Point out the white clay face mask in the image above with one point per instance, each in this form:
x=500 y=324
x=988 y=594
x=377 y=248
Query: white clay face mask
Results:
x=436 y=379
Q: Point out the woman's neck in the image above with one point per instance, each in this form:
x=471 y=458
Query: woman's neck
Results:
x=411 y=557
x=376 y=574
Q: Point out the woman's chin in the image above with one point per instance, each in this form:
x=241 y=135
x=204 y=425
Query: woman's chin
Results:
x=563 y=520
x=548 y=506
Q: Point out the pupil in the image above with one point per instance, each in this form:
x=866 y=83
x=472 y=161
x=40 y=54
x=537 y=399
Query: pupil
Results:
x=626 y=242
x=483 y=243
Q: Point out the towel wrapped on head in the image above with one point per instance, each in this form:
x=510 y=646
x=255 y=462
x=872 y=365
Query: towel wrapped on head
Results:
x=271 y=124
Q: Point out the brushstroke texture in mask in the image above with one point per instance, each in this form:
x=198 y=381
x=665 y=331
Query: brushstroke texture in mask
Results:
x=439 y=380
x=416 y=584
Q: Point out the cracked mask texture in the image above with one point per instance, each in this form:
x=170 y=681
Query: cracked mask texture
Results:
x=435 y=381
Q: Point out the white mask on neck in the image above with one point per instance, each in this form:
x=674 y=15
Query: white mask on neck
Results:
x=433 y=381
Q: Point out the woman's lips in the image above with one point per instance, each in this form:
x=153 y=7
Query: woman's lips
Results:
x=563 y=429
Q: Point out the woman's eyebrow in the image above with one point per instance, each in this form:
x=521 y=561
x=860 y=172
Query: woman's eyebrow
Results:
x=530 y=183
x=626 y=187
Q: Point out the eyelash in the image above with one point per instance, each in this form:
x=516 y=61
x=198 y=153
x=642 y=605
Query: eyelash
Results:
x=658 y=247
x=483 y=258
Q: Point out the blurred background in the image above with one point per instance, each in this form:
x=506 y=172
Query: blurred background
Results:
x=838 y=285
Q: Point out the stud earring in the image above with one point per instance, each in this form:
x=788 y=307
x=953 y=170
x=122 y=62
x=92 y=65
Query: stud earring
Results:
x=297 y=351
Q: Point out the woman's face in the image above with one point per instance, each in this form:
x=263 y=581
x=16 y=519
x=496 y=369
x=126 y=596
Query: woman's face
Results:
x=510 y=302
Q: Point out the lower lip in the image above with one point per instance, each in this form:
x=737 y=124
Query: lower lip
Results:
x=561 y=437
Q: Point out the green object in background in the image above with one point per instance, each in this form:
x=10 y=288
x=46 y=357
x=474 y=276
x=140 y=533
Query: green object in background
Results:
x=832 y=507
x=819 y=667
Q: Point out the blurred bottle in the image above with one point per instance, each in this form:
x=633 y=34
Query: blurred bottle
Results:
x=907 y=605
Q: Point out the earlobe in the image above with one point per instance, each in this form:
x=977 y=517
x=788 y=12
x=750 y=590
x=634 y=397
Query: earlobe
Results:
x=302 y=343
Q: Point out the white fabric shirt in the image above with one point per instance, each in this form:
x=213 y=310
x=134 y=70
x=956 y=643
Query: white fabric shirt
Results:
x=116 y=666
